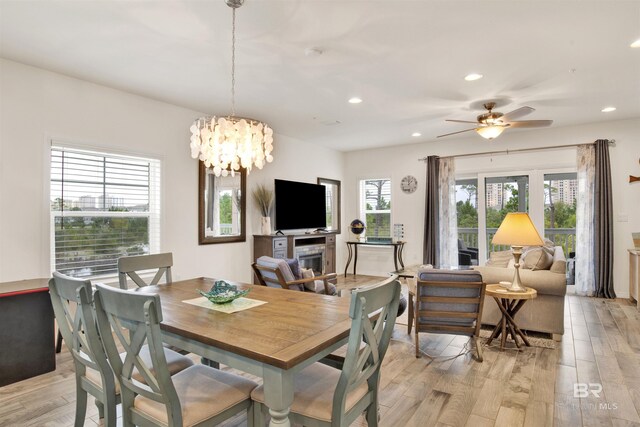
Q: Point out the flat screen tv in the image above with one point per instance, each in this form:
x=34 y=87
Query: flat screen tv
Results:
x=299 y=205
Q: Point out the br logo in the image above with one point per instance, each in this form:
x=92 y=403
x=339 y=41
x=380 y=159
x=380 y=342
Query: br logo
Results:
x=584 y=389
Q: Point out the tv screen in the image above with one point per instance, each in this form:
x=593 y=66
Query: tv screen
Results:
x=300 y=205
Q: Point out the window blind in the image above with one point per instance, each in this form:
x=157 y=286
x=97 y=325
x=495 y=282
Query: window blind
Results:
x=103 y=206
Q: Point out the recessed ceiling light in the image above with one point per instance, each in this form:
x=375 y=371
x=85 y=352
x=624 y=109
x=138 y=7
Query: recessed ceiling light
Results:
x=416 y=134
x=608 y=109
x=355 y=100
x=473 y=76
x=635 y=43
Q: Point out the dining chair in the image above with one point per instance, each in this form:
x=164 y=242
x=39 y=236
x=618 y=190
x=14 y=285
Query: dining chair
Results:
x=129 y=266
x=72 y=301
x=448 y=302
x=275 y=272
x=196 y=396
x=335 y=393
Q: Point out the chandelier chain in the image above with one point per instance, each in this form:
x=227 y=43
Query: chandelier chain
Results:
x=233 y=64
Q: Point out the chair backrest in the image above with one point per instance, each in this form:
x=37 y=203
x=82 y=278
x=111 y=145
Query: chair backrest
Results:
x=373 y=312
x=72 y=301
x=135 y=320
x=130 y=265
x=275 y=272
x=449 y=301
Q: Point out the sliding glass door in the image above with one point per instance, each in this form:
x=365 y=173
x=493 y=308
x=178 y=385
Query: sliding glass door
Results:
x=484 y=200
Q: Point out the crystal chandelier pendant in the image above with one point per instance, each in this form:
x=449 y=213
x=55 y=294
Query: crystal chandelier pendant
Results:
x=227 y=144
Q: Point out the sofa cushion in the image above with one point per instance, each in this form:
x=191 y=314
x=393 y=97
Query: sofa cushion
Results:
x=500 y=258
x=559 y=264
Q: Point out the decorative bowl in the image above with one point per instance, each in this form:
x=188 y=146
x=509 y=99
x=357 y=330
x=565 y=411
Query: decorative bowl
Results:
x=222 y=292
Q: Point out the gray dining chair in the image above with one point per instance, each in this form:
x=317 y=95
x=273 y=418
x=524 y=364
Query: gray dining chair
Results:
x=130 y=266
x=336 y=392
x=196 y=396
x=72 y=301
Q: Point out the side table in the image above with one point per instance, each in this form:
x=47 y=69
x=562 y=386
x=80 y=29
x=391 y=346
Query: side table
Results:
x=509 y=304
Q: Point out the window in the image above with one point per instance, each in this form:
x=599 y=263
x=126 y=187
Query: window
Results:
x=560 y=198
x=375 y=206
x=504 y=194
x=467 y=211
x=103 y=206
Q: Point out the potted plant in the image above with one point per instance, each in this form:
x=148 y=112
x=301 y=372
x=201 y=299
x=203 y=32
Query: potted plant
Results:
x=264 y=199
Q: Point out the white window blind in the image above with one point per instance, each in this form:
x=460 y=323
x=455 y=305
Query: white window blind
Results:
x=375 y=206
x=103 y=206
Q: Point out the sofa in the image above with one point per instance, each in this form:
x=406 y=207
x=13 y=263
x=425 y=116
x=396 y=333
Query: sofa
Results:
x=542 y=314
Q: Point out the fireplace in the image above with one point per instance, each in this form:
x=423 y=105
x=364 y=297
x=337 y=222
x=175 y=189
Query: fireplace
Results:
x=311 y=256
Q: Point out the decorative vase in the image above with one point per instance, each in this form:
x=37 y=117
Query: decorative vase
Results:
x=265 y=225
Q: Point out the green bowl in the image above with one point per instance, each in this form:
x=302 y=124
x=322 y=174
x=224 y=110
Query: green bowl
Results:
x=222 y=292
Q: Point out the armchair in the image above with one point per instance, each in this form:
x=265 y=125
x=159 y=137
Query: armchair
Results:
x=275 y=272
x=448 y=302
x=467 y=255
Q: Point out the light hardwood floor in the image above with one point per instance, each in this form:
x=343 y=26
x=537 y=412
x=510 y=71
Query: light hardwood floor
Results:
x=534 y=387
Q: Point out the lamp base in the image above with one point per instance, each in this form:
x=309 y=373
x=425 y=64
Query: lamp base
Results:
x=516 y=285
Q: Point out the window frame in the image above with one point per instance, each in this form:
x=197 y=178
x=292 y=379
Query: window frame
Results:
x=154 y=196
x=362 y=211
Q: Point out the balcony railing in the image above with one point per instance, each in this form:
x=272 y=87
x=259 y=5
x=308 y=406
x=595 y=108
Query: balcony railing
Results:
x=565 y=237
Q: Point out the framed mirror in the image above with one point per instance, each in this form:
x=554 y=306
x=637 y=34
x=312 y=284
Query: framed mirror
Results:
x=221 y=206
x=332 y=187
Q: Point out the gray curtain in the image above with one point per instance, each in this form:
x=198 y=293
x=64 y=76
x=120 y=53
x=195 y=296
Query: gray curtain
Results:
x=603 y=219
x=431 y=208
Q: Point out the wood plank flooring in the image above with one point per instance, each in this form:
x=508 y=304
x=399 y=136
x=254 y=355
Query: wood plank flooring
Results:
x=534 y=387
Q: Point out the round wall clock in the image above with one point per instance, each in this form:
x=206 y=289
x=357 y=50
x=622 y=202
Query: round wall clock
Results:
x=409 y=184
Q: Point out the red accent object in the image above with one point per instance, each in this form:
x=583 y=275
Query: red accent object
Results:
x=27 y=291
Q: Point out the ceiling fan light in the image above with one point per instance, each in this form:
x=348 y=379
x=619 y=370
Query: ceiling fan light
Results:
x=490 y=132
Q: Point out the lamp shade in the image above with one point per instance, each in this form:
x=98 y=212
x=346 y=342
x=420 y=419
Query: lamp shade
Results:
x=490 y=132
x=517 y=229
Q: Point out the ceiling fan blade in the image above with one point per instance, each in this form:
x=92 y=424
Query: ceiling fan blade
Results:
x=517 y=113
x=531 y=124
x=460 y=121
x=453 y=133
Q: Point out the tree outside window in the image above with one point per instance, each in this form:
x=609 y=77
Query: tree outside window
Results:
x=375 y=202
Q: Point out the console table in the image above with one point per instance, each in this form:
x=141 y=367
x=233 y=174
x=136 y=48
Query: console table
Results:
x=27 y=335
x=352 y=247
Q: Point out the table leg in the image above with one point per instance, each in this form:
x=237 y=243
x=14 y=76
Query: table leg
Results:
x=395 y=257
x=278 y=395
x=400 y=255
x=346 y=268
x=355 y=258
x=503 y=327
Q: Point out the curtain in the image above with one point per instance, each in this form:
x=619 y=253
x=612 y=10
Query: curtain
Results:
x=585 y=230
x=447 y=214
x=431 y=206
x=603 y=221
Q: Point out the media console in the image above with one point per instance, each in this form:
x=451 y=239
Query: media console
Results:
x=316 y=251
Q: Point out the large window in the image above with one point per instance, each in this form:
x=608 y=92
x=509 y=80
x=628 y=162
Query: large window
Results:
x=375 y=206
x=467 y=211
x=560 y=198
x=103 y=206
x=504 y=194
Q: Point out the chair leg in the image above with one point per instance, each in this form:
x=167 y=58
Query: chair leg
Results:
x=476 y=340
x=258 y=414
x=100 y=407
x=81 y=404
x=417 y=344
x=373 y=413
x=250 y=415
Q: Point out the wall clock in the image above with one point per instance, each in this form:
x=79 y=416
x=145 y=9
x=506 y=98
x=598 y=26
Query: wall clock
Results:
x=409 y=184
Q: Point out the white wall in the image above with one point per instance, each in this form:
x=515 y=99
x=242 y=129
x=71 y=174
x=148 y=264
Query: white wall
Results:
x=402 y=160
x=37 y=105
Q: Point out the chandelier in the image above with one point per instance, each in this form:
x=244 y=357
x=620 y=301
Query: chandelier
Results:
x=229 y=143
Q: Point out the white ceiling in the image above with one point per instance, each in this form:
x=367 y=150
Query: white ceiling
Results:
x=405 y=59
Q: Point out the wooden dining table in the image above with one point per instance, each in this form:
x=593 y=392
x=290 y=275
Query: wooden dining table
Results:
x=272 y=341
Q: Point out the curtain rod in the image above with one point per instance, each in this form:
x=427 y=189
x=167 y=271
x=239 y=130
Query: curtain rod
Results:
x=519 y=150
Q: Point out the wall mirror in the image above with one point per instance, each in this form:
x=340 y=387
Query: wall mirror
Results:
x=332 y=187
x=221 y=206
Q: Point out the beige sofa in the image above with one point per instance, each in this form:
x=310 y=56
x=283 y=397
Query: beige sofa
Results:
x=542 y=314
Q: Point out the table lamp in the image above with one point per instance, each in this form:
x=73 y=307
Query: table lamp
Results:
x=517 y=230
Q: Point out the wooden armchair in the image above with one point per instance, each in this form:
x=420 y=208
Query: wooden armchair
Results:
x=448 y=302
x=276 y=272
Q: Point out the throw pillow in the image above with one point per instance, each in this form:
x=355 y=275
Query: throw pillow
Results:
x=316 y=286
x=500 y=258
x=294 y=265
x=538 y=258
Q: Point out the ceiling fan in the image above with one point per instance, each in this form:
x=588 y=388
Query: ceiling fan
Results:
x=490 y=125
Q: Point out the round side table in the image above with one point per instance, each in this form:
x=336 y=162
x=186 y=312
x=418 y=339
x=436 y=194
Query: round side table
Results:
x=509 y=304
